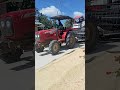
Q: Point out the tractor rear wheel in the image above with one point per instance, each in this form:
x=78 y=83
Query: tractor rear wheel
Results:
x=70 y=40
x=54 y=47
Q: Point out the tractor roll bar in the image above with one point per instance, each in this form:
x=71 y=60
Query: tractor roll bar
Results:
x=61 y=17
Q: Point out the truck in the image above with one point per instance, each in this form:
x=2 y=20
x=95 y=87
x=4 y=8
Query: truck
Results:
x=102 y=21
x=17 y=28
x=79 y=28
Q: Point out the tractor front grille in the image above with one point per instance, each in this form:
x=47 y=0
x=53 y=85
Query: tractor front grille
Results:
x=6 y=27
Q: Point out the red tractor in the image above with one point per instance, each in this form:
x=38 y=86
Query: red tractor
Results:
x=55 y=37
x=17 y=28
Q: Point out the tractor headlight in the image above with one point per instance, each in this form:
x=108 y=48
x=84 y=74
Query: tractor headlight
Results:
x=2 y=24
x=8 y=24
x=37 y=37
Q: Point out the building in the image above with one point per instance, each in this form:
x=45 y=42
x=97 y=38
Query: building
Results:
x=38 y=25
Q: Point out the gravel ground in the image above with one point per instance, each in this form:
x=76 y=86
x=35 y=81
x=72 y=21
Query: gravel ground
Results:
x=43 y=58
x=64 y=73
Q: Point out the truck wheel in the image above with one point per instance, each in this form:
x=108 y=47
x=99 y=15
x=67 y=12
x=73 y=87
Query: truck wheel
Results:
x=91 y=36
x=54 y=47
x=70 y=40
x=39 y=48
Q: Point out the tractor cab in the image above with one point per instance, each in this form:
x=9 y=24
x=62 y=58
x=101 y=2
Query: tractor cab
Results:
x=59 y=24
x=59 y=20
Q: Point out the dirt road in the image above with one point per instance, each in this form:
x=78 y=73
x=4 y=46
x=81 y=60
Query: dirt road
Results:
x=43 y=58
x=65 y=73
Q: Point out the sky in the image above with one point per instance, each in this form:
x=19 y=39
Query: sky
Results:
x=61 y=7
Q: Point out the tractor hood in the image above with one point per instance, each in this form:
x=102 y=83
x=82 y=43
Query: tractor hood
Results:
x=17 y=14
x=41 y=32
x=14 y=13
x=42 y=35
x=22 y=25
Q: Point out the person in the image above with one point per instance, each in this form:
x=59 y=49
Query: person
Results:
x=60 y=24
x=81 y=19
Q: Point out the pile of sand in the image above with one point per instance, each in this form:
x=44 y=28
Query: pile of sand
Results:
x=66 y=73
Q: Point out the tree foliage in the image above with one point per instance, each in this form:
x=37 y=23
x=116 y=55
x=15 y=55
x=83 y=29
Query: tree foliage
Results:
x=44 y=20
x=68 y=23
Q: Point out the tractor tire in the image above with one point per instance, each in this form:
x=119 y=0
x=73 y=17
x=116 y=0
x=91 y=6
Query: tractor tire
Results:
x=91 y=37
x=54 y=47
x=15 y=56
x=39 y=48
x=70 y=40
x=18 y=54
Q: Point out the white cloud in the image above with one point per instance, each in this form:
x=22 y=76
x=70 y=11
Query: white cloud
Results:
x=51 y=11
x=76 y=13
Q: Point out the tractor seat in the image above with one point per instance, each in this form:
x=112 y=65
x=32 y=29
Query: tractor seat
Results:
x=62 y=29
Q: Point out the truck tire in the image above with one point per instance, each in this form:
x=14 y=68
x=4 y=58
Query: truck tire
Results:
x=70 y=40
x=54 y=47
x=91 y=36
x=39 y=48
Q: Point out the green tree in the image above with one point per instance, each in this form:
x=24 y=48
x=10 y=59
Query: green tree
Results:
x=68 y=23
x=44 y=20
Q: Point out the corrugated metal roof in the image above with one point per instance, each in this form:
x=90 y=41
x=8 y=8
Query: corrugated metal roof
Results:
x=61 y=17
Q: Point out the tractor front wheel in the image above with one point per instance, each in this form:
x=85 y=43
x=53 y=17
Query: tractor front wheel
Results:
x=39 y=48
x=54 y=47
x=14 y=55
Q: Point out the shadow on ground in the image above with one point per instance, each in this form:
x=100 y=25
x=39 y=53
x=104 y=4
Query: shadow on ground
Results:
x=108 y=46
x=24 y=66
x=9 y=60
x=46 y=52
x=104 y=46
